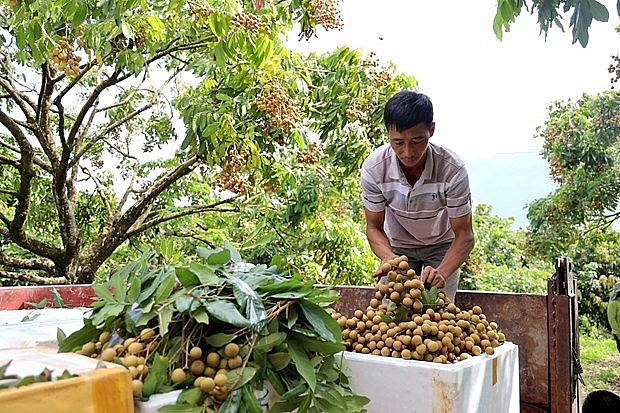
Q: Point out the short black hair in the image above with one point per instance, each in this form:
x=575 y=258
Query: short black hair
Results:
x=601 y=401
x=406 y=109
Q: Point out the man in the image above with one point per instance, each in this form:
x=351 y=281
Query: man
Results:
x=601 y=401
x=416 y=196
x=613 y=314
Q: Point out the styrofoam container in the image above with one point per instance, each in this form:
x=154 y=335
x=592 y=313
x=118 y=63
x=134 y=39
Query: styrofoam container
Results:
x=488 y=384
x=31 y=328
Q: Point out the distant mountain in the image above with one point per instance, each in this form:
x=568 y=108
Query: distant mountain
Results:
x=508 y=182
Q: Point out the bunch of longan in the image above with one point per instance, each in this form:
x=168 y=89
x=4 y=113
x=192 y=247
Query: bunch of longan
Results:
x=325 y=13
x=312 y=154
x=64 y=58
x=399 y=323
x=278 y=106
x=230 y=177
x=250 y=22
x=132 y=353
x=209 y=370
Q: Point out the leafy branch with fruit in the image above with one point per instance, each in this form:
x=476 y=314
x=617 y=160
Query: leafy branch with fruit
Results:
x=221 y=331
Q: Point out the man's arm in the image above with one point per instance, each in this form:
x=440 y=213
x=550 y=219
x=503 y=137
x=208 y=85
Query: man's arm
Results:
x=613 y=308
x=455 y=256
x=377 y=238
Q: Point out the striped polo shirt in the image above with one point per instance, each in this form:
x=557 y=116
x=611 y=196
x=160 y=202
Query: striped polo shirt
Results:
x=416 y=215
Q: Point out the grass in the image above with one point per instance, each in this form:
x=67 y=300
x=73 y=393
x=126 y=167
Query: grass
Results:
x=601 y=363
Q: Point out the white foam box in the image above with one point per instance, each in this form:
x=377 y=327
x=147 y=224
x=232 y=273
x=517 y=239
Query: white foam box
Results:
x=488 y=384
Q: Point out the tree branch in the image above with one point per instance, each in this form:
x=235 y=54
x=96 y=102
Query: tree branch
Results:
x=32 y=278
x=134 y=230
x=43 y=264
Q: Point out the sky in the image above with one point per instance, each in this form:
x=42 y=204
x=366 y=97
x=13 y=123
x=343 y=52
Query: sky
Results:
x=489 y=96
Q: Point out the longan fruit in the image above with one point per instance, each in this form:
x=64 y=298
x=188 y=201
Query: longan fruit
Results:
x=147 y=334
x=213 y=359
x=88 y=349
x=108 y=354
x=135 y=348
x=199 y=380
x=197 y=367
x=136 y=387
x=130 y=360
x=220 y=379
x=104 y=337
x=177 y=375
x=207 y=385
x=231 y=350
x=195 y=353
x=235 y=362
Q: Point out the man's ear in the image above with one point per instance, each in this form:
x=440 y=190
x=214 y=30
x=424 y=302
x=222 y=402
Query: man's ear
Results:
x=431 y=129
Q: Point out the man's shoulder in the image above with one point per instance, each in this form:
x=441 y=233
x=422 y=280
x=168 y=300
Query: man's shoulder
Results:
x=378 y=158
x=446 y=155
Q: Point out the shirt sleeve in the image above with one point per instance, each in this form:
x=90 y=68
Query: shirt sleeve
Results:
x=458 y=195
x=613 y=316
x=372 y=196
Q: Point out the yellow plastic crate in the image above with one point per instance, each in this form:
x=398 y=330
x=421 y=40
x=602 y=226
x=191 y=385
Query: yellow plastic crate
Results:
x=95 y=390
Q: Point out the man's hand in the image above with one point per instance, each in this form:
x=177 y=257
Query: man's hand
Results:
x=430 y=277
x=380 y=271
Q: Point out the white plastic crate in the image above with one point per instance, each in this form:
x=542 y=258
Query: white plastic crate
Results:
x=488 y=384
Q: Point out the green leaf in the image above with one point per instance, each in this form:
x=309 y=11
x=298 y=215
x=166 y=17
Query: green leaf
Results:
x=287 y=406
x=279 y=360
x=127 y=30
x=302 y=362
x=164 y=317
x=186 y=277
x=269 y=341
x=75 y=340
x=318 y=346
x=241 y=376
x=599 y=11
x=165 y=288
x=220 y=339
x=134 y=290
x=276 y=381
x=103 y=292
x=218 y=256
x=201 y=316
x=295 y=392
x=251 y=301
x=206 y=274
x=226 y=311
x=186 y=303
x=57 y=299
x=191 y=396
x=157 y=376
x=323 y=323
x=250 y=401
x=232 y=402
x=180 y=408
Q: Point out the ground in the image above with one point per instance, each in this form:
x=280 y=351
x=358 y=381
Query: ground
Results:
x=603 y=373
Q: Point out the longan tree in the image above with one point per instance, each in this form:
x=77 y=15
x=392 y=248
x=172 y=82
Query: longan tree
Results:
x=550 y=13
x=120 y=118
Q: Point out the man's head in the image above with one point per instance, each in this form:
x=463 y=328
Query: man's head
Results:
x=408 y=117
x=407 y=109
x=601 y=401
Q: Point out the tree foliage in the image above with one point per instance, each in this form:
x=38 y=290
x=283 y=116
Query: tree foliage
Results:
x=501 y=259
x=549 y=13
x=119 y=119
x=582 y=146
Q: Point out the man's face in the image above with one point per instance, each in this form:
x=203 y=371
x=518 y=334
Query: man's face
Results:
x=410 y=145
